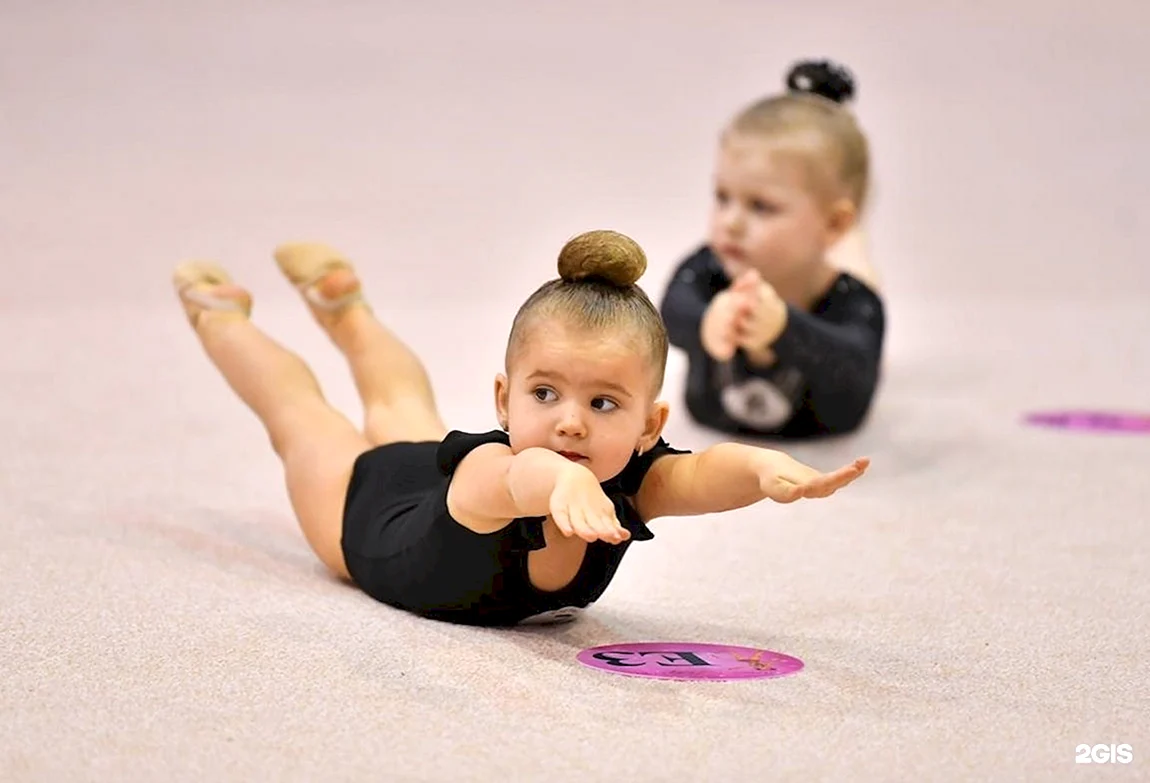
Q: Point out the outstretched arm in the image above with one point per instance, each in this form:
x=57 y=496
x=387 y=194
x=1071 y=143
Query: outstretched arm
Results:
x=733 y=475
x=492 y=486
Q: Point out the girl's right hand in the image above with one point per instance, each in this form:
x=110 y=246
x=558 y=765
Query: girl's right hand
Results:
x=579 y=507
x=720 y=330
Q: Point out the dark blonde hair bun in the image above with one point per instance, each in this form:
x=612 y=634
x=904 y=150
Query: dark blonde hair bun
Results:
x=597 y=292
x=607 y=256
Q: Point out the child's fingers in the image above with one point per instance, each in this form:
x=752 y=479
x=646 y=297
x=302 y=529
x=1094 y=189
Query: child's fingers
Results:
x=847 y=473
x=794 y=472
x=794 y=480
x=621 y=533
x=719 y=332
x=722 y=350
x=569 y=520
x=610 y=530
x=725 y=343
x=785 y=492
x=743 y=331
x=742 y=321
x=732 y=334
x=608 y=526
x=829 y=483
x=780 y=488
x=749 y=279
x=745 y=301
x=789 y=480
x=562 y=520
x=584 y=525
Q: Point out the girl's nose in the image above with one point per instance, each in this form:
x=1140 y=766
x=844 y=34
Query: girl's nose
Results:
x=572 y=424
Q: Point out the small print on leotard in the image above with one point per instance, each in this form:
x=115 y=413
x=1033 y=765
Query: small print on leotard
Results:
x=757 y=403
x=765 y=401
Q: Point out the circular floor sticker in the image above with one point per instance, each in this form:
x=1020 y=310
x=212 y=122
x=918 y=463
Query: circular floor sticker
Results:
x=1097 y=421
x=689 y=661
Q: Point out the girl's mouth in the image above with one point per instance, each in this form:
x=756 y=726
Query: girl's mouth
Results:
x=574 y=456
x=733 y=252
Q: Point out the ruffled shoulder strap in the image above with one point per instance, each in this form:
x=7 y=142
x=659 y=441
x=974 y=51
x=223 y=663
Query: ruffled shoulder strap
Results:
x=631 y=478
x=456 y=445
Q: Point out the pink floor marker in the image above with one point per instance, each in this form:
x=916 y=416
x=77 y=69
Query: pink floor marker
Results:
x=1096 y=421
x=688 y=661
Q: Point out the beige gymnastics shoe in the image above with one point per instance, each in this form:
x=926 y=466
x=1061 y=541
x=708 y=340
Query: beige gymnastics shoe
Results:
x=205 y=285
x=324 y=276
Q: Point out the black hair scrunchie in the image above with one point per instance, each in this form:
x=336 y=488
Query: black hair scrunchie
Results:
x=822 y=77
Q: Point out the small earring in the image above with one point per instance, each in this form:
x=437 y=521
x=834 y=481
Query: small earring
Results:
x=503 y=426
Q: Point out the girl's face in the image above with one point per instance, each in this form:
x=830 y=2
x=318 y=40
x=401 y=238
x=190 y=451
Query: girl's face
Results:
x=586 y=396
x=767 y=215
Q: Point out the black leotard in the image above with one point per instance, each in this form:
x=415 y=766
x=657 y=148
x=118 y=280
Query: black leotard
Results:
x=827 y=367
x=403 y=548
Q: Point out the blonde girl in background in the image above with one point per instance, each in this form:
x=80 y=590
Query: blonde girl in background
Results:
x=779 y=312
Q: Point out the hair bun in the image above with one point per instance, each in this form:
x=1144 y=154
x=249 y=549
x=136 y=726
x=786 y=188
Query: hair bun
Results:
x=603 y=255
x=822 y=77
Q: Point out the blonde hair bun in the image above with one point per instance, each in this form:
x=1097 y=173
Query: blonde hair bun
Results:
x=602 y=255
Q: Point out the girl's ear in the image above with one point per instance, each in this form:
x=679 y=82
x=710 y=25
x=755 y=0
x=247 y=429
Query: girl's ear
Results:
x=840 y=220
x=653 y=427
x=502 y=393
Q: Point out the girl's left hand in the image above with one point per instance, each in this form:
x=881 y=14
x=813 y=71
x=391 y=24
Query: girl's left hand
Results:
x=784 y=479
x=763 y=324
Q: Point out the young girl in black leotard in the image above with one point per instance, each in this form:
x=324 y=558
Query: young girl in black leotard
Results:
x=490 y=528
x=779 y=312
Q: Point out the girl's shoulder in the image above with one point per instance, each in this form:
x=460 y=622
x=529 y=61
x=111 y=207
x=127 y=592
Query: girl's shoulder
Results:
x=851 y=255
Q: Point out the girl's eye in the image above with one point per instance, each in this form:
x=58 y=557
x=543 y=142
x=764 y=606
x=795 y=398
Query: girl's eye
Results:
x=721 y=196
x=602 y=404
x=542 y=393
x=762 y=207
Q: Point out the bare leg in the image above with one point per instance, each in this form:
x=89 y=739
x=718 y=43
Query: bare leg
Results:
x=398 y=401
x=317 y=445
